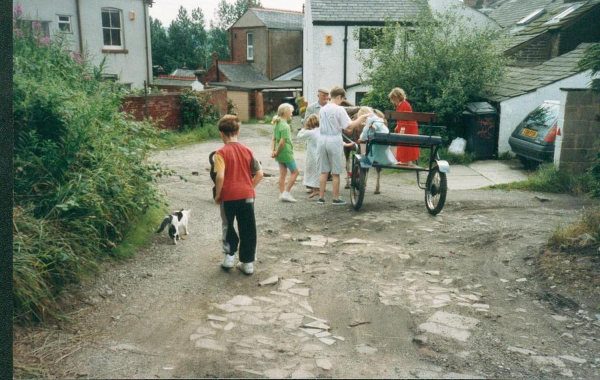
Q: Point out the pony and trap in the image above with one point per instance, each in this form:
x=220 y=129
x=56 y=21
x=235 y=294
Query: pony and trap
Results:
x=432 y=179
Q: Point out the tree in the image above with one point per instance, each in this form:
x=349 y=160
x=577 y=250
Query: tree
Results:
x=160 y=44
x=187 y=39
x=226 y=15
x=591 y=61
x=443 y=63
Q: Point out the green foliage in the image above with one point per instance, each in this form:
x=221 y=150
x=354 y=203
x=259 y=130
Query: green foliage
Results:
x=547 y=179
x=170 y=139
x=442 y=64
x=80 y=171
x=591 y=61
x=184 y=44
x=592 y=177
x=197 y=109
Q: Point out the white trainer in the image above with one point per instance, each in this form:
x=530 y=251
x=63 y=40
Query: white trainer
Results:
x=228 y=261
x=247 y=268
x=287 y=197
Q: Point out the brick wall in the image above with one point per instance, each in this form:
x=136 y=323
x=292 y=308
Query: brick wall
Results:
x=581 y=130
x=533 y=53
x=211 y=75
x=168 y=106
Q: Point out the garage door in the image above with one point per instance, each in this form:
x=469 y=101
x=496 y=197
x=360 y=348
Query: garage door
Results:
x=240 y=100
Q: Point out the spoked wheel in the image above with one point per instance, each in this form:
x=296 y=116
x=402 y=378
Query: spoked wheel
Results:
x=358 y=184
x=435 y=191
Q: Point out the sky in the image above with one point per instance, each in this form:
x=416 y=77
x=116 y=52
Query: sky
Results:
x=166 y=10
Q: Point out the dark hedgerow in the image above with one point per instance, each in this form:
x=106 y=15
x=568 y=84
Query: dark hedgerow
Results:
x=80 y=170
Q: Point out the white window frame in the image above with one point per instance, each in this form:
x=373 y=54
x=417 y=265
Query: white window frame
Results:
x=110 y=27
x=564 y=13
x=250 y=47
x=63 y=22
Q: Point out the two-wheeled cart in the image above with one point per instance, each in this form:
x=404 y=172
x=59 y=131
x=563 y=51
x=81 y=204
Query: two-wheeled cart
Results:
x=435 y=185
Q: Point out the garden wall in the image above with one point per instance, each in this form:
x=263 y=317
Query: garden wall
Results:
x=581 y=130
x=168 y=106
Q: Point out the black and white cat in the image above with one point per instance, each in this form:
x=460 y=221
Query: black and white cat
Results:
x=174 y=221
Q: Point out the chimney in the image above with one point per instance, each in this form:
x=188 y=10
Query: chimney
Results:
x=216 y=65
x=303 y=8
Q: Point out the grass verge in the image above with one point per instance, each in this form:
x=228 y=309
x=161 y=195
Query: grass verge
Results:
x=140 y=233
x=547 y=179
x=168 y=139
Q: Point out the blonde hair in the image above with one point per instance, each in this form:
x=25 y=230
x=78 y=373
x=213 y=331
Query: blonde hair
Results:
x=281 y=111
x=364 y=111
x=381 y=115
x=397 y=93
x=312 y=122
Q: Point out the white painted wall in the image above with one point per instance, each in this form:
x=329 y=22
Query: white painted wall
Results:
x=513 y=111
x=130 y=67
x=323 y=64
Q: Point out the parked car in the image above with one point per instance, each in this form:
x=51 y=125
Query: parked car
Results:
x=533 y=139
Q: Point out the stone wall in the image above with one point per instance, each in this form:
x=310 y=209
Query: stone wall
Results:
x=167 y=107
x=581 y=130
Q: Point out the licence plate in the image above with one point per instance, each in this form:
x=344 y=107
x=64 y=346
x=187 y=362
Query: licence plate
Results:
x=529 y=132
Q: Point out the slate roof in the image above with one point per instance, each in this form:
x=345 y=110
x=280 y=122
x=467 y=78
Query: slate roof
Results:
x=510 y=12
x=241 y=72
x=279 y=19
x=294 y=74
x=538 y=27
x=183 y=73
x=172 y=82
x=259 y=85
x=361 y=11
x=519 y=80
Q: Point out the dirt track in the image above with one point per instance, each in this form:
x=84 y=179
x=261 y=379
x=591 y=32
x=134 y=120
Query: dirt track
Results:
x=420 y=296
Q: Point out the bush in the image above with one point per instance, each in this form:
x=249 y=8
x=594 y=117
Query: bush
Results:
x=442 y=63
x=197 y=109
x=80 y=167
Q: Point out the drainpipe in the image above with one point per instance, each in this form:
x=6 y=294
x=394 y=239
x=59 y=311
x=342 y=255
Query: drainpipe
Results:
x=217 y=66
x=79 y=27
x=146 y=40
x=345 y=53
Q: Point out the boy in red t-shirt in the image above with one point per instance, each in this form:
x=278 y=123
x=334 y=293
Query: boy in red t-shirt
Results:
x=238 y=173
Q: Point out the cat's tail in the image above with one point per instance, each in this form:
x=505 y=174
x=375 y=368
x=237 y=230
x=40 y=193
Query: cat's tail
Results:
x=165 y=223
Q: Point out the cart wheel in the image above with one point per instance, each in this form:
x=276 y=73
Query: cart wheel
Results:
x=358 y=185
x=435 y=191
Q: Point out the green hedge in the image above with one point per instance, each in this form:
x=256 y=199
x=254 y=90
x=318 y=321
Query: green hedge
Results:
x=80 y=170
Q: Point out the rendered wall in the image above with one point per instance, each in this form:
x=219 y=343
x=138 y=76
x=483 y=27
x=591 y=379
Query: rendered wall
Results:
x=513 y=111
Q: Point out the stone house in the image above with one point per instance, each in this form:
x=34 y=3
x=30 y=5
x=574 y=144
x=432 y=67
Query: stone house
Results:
x=117 y=30
x=539 y=30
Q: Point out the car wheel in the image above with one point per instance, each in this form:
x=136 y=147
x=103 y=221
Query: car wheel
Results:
x=528 y=164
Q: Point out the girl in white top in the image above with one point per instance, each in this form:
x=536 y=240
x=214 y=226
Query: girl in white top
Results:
x=312 y=172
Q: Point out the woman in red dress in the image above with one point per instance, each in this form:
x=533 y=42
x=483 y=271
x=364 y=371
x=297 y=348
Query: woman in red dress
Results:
x=404 y=154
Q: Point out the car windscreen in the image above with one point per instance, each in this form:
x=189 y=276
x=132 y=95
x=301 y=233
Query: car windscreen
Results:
x=543 y=116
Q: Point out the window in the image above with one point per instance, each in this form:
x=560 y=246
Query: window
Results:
x=563 y=14
x=359 y=97
x=64 y=24
x=111 y=28
x=530 y=17
x=35 y=26
x=250 y=47
x=368 y=37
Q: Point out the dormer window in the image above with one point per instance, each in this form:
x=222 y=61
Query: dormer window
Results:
x=564 y=13
x=531 y=17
